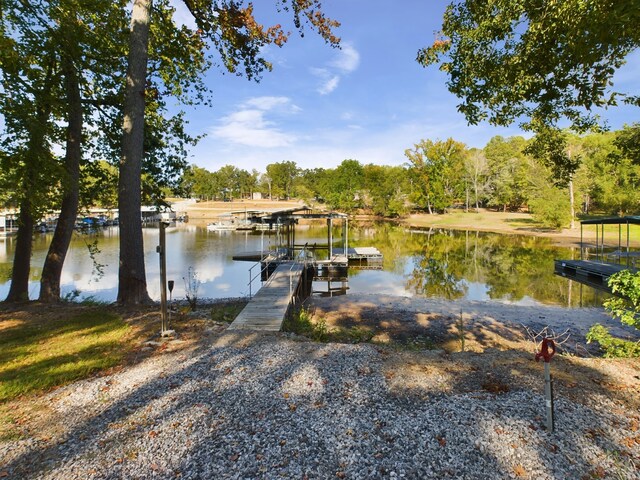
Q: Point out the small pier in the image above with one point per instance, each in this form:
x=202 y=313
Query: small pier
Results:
x=268 y=308
x=607 y=261
x=288 y=270
x=592 y=273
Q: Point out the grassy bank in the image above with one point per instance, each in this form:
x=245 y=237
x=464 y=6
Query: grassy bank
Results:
x=39 y=352
x=521 y=224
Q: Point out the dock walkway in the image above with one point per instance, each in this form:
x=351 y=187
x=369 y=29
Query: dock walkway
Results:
x=593 y=273
x=267 y=309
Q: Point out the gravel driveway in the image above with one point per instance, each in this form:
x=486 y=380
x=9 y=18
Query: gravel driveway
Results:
x=271 y=406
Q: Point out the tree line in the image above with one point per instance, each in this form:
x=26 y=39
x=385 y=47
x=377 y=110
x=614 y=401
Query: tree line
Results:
x=85 y=89
x=443 y=174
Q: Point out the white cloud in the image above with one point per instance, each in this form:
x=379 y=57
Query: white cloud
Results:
x=268 y=103
x=347 y=59
x=329 y=86
x=329 y=82
x=250 y=127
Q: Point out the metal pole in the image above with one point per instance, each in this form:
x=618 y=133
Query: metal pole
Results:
x=581 y=244
x=619 y=242
x=627 y=243
x=548 y=393
x=163 y=278
x=346 y=236
x=330 y=234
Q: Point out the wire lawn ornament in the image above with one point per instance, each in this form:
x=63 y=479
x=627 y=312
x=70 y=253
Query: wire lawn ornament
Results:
x=547 y=342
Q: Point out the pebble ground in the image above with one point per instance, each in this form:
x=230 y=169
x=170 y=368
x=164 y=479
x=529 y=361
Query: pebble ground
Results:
x=271 y=406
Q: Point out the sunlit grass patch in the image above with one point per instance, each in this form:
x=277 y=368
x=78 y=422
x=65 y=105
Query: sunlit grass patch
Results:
x=227 y=312
x=44 y=353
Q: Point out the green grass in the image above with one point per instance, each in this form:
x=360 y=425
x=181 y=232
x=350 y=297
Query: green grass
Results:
x=227 y=312
x=41 y=354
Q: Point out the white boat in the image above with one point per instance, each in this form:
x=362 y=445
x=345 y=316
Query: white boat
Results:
x=221 y=227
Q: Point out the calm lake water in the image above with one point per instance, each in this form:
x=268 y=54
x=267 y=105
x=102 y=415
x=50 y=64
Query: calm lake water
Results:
x=436 y=263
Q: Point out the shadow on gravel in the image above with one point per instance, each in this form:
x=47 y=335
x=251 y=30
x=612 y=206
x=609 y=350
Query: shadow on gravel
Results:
x=263 y=406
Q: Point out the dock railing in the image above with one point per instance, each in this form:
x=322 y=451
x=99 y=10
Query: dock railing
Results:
x=260 y=271
x=265 y=262
x=301 y=258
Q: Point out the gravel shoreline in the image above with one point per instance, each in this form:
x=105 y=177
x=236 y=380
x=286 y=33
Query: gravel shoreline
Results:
x=275 y=406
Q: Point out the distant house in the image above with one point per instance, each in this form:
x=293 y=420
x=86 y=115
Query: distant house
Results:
x=257 y=196
x=8 y=224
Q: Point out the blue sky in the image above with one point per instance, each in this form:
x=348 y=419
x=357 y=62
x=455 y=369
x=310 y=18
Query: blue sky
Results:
x=368 y=101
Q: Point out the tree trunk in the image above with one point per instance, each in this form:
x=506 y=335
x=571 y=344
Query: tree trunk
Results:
x=475 y=192
x=52 y=270
x=19 y=290
x=132 y=282
x=466 y=203
x=572 y=204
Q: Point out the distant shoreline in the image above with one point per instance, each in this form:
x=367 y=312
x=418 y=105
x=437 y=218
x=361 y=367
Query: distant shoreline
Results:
x=508 y=223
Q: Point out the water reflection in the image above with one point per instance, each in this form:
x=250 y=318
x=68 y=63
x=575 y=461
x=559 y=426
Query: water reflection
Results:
x=433 y=263
x=473 y=266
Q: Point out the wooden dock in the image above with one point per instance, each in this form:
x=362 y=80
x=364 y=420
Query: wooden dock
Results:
x=593 y=273
x=267 y=309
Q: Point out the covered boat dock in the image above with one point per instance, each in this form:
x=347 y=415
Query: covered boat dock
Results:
x=594 y=268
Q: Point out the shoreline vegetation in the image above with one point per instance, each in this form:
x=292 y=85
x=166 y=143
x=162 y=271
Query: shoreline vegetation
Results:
x=486 y=220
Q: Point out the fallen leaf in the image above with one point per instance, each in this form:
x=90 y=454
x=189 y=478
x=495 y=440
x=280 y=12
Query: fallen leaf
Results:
x=4 y=473
x=341 y=474
x=153 y=433
x=441 y=440
x=519 y=471
x=598 y=472
x=292 y=407
x=234 y=457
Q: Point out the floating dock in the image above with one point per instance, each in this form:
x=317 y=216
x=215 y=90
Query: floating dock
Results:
x=596 y=273
x=268 y=308
x=592 y=273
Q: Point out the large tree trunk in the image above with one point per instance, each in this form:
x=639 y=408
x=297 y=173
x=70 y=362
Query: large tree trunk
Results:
x=132 y=282
x=52 y=270
x=19 y=290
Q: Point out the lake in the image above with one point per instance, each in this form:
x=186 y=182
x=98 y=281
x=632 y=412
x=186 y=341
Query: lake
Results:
x=432 y=263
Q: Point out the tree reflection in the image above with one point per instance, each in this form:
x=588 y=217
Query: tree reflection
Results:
x=444 y=263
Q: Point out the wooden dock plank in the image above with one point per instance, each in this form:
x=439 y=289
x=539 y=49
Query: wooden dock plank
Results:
x=267 y=309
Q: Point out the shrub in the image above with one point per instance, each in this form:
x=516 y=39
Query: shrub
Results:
x=612 y=347
x=551 y=208
x=626 y=306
